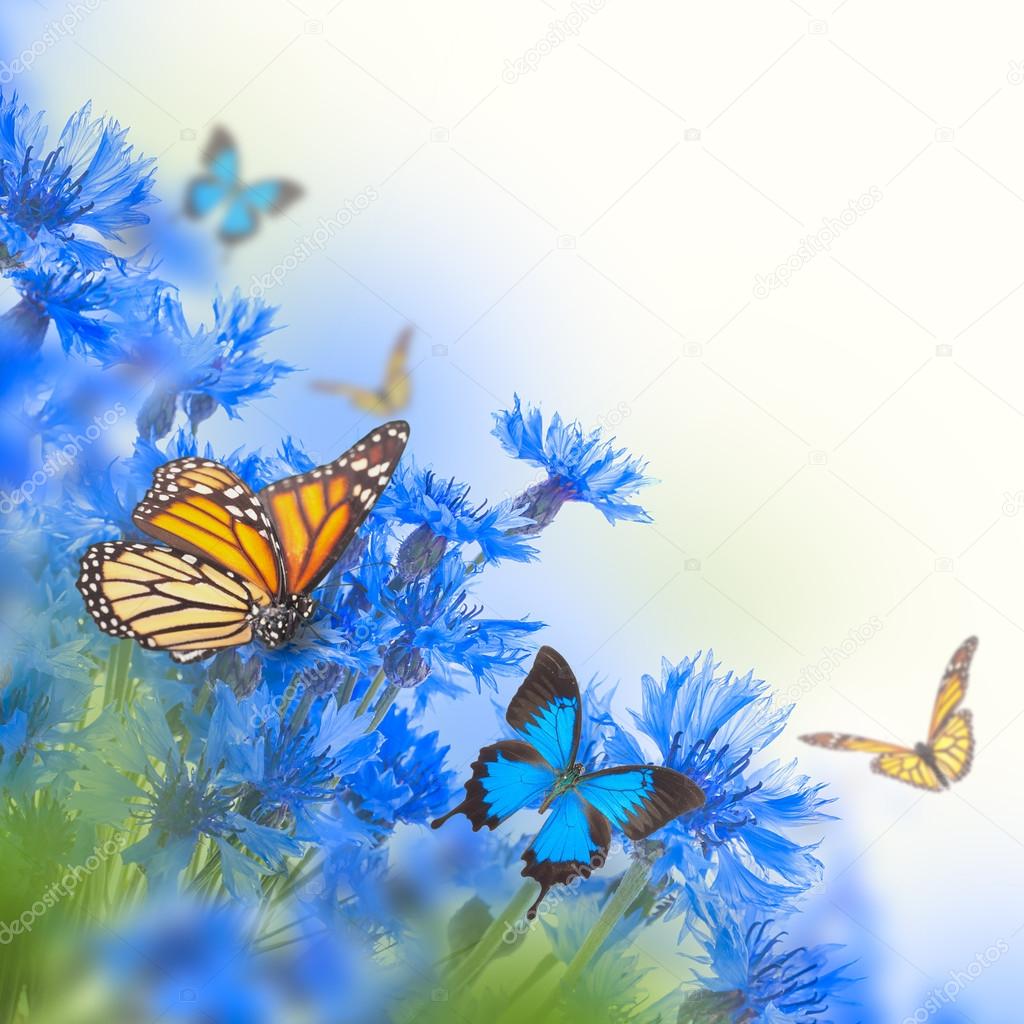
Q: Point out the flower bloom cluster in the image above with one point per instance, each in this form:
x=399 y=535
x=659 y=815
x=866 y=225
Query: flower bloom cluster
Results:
x=271 y=800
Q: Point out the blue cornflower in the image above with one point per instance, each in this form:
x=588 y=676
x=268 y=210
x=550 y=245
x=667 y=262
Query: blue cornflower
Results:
x=34 y=712
x=88 y=307
x=442 y=514
x=203 y=369
x=579 y=466
x=287 y=768
x=142 y=774
x=409 y=783
x=436 y=634
x=754 y=977
x=711 y=727
x=90 y=180
x=58 y=208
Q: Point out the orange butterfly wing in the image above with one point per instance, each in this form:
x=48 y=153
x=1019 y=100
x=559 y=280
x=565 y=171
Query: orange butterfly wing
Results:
x=953 y=686
x=316 y=514
x=200 y=507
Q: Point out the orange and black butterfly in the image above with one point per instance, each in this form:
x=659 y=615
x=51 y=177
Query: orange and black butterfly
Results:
x=946 y=756
x=239 y=565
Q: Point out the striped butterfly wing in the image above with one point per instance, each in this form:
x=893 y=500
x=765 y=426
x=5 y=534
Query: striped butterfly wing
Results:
x=200 y=507
x=167 y=600
x=316 y=514
x=909 y=767
x=953 y=687
x=953 y=747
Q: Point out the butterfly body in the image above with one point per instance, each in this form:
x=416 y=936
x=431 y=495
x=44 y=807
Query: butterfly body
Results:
x=277 y=624
x=233 y=565
x=541 y=770
x=948 y=753
x=563 y=784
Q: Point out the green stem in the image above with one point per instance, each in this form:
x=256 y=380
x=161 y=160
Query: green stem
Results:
x=345 y=693
x=202 y=698
x=116 y=686
x=305 y=701
x=371 y=692
x=478 y=958
x=383 y=706
x=629 y=888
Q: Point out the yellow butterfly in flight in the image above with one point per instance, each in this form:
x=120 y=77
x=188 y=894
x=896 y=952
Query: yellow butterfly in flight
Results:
x=393 y=395
x=946 y=756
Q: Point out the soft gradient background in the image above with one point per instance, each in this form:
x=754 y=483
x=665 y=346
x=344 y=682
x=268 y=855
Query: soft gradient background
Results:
x=841 y=455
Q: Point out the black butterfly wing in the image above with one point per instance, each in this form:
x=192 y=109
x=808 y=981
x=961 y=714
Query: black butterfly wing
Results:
x=546 y=709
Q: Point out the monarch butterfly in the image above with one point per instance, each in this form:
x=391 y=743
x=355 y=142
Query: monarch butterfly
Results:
x=395 y=390
x=239 y=564
x=947 y=755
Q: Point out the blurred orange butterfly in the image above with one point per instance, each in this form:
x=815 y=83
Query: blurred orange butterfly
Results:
x=239 y=565
x=947 y=755
x=395 y=390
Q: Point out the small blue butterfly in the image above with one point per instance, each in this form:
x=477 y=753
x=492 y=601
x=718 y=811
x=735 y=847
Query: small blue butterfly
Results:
x=543 y=772
x=205 y=192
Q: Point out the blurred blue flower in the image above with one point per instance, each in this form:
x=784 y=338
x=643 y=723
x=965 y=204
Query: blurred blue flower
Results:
x=579 y=466
x=186 y=963
x=204 y=369
x=710 y=727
